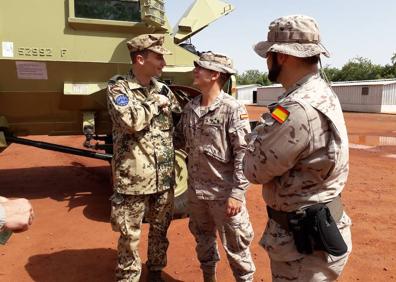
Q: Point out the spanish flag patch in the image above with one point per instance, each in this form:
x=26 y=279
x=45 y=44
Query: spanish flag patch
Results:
x=280 y=114
x=244 y=116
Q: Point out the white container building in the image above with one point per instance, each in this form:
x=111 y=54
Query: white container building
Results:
x=369 y=96
x=246 y=93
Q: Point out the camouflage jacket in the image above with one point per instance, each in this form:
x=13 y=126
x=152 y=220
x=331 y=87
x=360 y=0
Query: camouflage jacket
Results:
x=305 y=159
x=215 y=144
x=143 y=161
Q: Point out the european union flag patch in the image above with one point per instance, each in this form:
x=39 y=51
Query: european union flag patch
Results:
x=121 y=100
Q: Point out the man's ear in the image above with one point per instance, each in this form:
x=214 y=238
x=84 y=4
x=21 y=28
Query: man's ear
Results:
x=215 y=75
x=140 y=60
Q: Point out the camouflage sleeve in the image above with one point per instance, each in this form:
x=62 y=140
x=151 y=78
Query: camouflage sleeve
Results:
x=175 y=105
x=239 y=126
x=125 y=110
x=274 y=148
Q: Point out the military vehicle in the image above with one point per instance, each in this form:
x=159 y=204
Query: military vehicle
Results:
x=57 y=56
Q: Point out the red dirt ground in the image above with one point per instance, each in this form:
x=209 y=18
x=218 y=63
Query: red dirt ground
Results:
x=71 y=239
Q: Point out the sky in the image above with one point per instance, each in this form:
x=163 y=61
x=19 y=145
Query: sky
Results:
x=349 y=28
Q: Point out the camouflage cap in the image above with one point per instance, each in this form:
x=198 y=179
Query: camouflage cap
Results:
x=152 y=42
x=216 y=62
x=295 y=35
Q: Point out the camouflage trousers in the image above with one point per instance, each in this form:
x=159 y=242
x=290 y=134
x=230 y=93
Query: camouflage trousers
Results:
x=319 y=266
x=236 y=234
x=127 y=212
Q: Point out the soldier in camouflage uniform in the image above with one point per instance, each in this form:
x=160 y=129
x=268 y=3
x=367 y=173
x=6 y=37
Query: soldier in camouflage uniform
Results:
x=143 y=163
x=212 y=130
x=300 y=152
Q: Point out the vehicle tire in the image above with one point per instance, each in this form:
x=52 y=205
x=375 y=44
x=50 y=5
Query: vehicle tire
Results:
x=180 y=209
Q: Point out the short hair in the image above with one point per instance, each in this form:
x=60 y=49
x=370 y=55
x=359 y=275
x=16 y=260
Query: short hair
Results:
x=314 y=60
x=223 y=78
x=143 y=53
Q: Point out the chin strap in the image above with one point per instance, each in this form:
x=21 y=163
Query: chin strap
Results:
x=323 y=73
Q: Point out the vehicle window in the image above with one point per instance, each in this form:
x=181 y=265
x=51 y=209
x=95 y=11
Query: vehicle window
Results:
x=117 y=10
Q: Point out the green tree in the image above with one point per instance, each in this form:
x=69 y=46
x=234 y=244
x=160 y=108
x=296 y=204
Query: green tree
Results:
x=253 y=77
x=360 y=68
x=393 y=59
x=333 y=74
x=388 y=71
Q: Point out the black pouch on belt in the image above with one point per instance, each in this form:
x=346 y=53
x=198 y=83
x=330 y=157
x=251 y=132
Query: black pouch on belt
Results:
x=326 y=234
x=299 y=225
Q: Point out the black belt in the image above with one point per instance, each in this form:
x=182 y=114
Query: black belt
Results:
x=282 y=218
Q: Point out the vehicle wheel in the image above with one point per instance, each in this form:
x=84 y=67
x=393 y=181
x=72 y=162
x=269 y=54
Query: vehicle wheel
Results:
x=180 y=209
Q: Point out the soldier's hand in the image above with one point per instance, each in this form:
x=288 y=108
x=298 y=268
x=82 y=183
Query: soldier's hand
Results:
x=233 y=207
x=161 y=100
x=19 y=214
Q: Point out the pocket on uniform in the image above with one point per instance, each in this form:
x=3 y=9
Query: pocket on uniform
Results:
x=238 y=232
x=211 y=151
x=214 y=132
x=246 y=235
x=117 y=218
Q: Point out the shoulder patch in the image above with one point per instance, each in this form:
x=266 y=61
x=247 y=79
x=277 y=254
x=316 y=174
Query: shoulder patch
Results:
x=280 y=114
x=121 y=100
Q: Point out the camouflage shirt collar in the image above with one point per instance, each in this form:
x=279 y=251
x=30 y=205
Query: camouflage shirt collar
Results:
x=133 y=83
x=196 y=103
x=298 y=84
x=217 y=101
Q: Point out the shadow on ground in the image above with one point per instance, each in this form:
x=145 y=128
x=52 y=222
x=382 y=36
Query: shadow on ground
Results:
x=78 y=265
x=81 y=186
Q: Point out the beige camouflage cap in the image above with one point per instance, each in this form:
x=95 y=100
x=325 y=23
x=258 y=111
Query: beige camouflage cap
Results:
x=152 y=42
x=295 y=35
x=216 y=62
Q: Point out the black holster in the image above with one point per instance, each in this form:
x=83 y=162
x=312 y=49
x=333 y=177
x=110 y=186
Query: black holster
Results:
x=313 y=228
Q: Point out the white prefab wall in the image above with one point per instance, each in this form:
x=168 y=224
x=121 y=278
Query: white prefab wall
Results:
x=377 y=97
x=352 y=99
x=389 y=99
x=245 y=93
x=268 y=95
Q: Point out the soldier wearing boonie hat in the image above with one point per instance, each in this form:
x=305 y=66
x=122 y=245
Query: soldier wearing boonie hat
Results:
x=215 y=62
x=212 y=130
x=299 y=151
x=141 y=111
x=292 y=35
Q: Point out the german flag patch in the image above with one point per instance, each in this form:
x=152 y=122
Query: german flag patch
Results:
x=280 y=114
x=244 y=116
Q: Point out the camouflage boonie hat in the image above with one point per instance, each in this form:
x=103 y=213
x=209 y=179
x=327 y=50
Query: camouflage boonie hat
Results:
x=152 y=42
x=296 y=35
x=216 y=62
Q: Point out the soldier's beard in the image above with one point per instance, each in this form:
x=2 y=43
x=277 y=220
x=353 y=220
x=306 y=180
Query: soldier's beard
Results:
x=275 y=70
